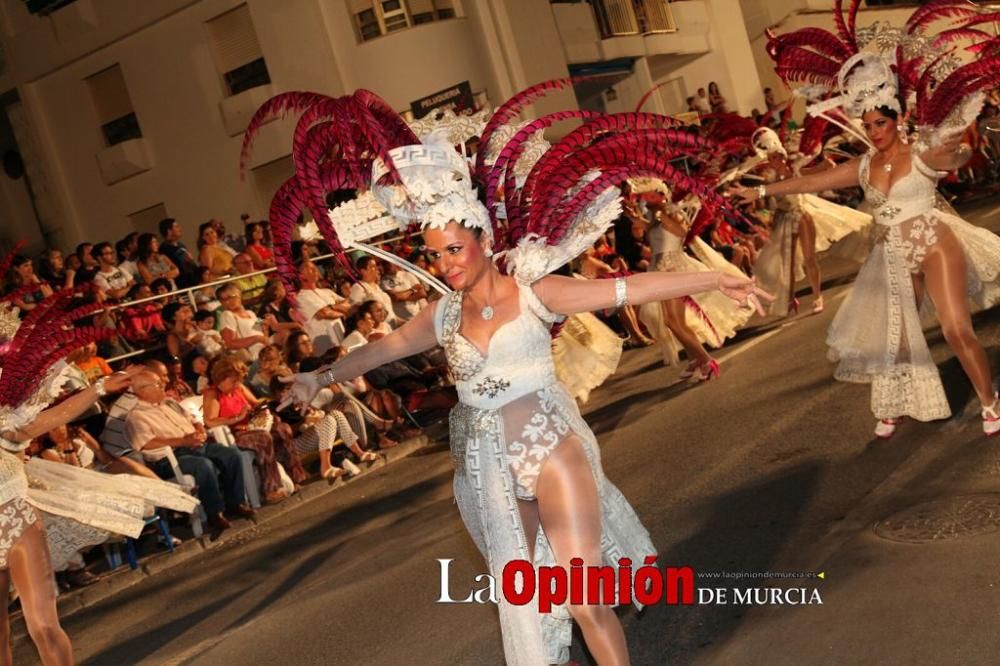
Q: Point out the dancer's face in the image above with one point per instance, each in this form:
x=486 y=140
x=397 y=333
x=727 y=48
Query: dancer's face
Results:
x=880 y=129
x=457 y=254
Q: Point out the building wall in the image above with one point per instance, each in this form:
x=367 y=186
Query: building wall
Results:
x=164 y=50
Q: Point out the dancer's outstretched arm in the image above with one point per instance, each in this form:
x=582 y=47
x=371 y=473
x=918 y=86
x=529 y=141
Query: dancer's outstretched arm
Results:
x=71 y=407
x=567 y=296
x=413 y=337
x=949 y=155
x=845 y=175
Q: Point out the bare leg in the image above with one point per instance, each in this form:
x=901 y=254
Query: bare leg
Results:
x=626 y=315
x=792 y=303
x=570 y=513
x=324 y=462
x=31 y=572
x=674 y=314
x=945 y=278
x=6 y=656
x=807 y=241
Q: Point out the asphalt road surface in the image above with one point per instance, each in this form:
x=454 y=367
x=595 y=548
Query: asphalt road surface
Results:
x=757 y=471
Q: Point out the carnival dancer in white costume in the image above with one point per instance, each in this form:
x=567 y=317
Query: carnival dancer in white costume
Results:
x=49 y=511
x=803 y=225
x=528 y=479
x=697 y=320
x=921 y=251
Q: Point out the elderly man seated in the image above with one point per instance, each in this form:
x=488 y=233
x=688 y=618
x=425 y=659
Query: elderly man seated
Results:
x=156 y=424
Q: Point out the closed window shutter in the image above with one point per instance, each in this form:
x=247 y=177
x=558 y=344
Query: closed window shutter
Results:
x=110 y=95
x=234 y=39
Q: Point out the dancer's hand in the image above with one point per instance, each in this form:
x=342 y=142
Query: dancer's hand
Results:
x=744 y=291
x=744 y=195
x=119 y=381
x=304 y=387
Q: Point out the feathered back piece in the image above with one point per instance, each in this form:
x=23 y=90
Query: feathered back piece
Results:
x=46 y=335
x=335 y=144
x=895 y=67
x=585 y=166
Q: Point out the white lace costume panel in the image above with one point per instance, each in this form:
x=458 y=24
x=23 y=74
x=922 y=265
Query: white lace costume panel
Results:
x=16 y=516
x=877 y=334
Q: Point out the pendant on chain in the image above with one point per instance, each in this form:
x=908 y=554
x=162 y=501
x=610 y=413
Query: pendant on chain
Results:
x=486 y=313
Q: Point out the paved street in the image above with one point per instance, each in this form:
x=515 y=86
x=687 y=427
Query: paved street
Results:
x=772 y=468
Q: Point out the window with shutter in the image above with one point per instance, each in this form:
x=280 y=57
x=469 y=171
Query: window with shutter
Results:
x=114 y=108
x=374 y=18
x=237 y=51
x=445 y=9
x=421 y=11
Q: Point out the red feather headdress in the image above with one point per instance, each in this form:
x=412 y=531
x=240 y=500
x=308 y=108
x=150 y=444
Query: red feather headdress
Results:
x=928 y=75
x=338 y=141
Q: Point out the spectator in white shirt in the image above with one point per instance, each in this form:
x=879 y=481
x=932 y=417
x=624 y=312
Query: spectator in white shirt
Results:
x=127 y=249
x=408 y=293
x=110 y=279
x=368 y=288
x=359 y=327
x=242 y=331
x=207 y=340
x=701 y=102
x=322 y=309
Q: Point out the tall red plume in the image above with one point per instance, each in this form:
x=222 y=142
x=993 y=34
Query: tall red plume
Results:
x=46 y=335
x=277 y=106
x=512 y=107
x=937 y=10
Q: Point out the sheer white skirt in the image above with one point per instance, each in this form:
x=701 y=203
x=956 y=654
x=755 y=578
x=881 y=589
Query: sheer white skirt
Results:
x=498 y=455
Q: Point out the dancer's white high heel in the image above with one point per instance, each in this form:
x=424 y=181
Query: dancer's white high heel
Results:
x=991 y=417
x=886 y=427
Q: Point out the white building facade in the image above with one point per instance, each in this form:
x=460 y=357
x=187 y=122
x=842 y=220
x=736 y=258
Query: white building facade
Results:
x=119 y=113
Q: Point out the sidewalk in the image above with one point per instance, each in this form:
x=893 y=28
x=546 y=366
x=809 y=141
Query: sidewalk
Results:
x=242 y=530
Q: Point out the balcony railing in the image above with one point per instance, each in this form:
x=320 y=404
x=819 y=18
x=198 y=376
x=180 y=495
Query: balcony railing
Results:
x=618 y=18
x=654 y=16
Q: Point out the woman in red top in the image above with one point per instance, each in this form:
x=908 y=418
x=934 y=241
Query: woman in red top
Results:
x=230 y=403
x=257 y=246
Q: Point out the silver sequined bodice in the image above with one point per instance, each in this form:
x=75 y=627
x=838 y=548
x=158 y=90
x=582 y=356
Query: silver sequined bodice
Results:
x=517 y=362
x=909 y=197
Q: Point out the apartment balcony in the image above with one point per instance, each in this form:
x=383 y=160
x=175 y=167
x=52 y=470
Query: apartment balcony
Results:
x=600 y=30
x=124 y=160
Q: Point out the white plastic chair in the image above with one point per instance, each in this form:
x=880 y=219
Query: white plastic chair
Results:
x=187 y=482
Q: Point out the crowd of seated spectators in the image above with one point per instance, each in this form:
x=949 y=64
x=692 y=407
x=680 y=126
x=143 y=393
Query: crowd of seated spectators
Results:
x=217 y=333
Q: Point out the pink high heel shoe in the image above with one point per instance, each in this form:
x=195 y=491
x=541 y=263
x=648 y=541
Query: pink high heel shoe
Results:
x=705 y=372
x=793 y=307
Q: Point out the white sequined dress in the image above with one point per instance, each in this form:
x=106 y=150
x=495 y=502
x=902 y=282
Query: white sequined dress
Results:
x=877 y=335
x=511 y=416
